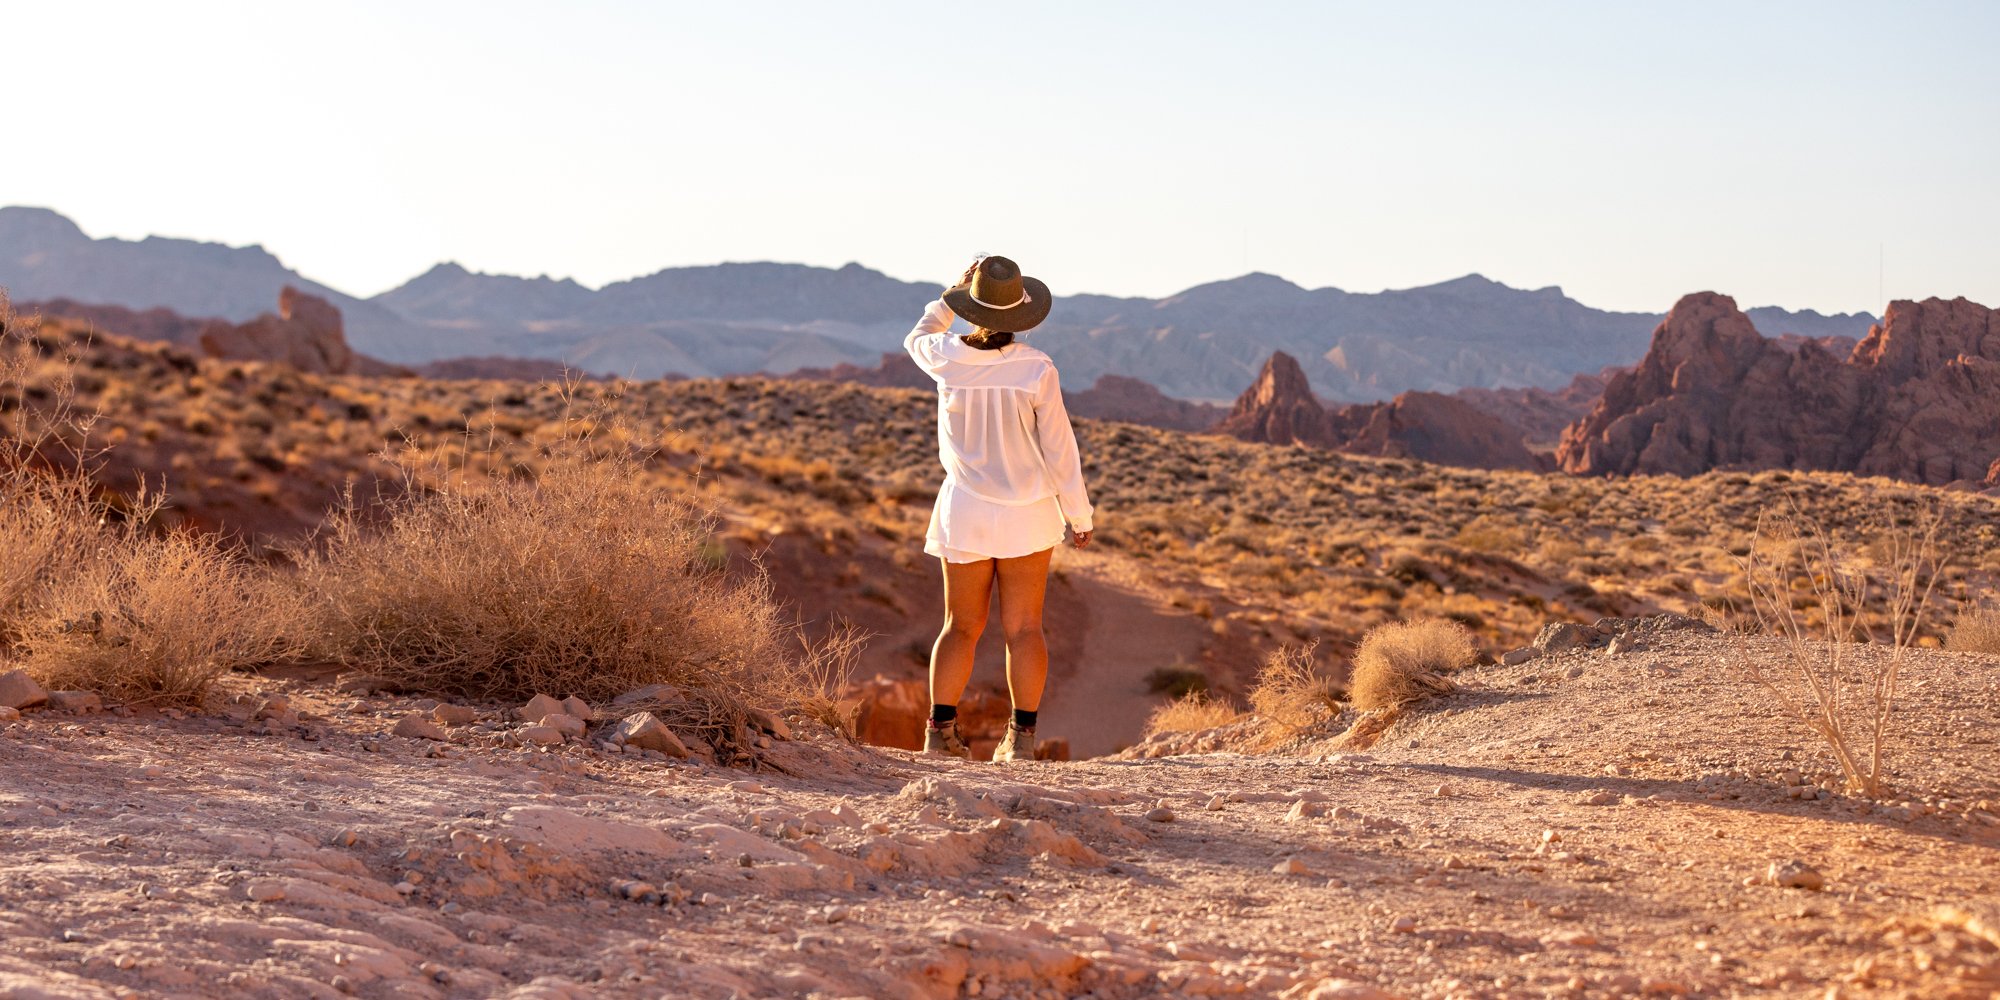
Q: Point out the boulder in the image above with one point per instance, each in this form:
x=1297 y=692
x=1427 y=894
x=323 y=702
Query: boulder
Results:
x=454 y=715
x=1918 y=399
x=18 y=690
x=539 y=707
x=645 y=731
x=1561 y=637
x=562 y=722
x=573 y=705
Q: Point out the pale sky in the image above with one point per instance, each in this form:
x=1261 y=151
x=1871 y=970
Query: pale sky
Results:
x=1629 y=152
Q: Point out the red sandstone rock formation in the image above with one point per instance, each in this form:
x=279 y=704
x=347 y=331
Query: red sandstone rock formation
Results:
x=148 y=324
x=306 y=334
x=1135 y=401
x=1280 y=408
x=1919 y=399
x=1543 y=413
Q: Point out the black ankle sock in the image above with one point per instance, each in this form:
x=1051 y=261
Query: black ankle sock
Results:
x=942 y=715
x=1024 y=719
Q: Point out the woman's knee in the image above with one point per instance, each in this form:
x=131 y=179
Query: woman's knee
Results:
x=966 y=627
x=1029 y=630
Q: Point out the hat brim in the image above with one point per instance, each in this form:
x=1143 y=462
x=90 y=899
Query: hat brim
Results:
x=1019 y=319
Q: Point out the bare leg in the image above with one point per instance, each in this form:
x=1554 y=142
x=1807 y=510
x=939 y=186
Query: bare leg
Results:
x=968 y=587
x=1023 y=583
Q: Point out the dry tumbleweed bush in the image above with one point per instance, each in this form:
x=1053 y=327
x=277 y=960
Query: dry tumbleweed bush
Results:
x=1191 y=713
x=1406 y=661
x=588 y=581
x=1975 y=630
x=89 y=597
x=1810 y=592
x=1291 y=690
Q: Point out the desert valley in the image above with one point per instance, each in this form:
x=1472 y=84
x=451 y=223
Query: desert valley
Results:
x=349 y=649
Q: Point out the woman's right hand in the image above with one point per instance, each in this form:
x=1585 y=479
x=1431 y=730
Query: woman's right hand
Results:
x=966 y=278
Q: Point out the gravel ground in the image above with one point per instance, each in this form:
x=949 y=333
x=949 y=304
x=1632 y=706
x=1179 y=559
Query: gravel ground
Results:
x=1581 y=825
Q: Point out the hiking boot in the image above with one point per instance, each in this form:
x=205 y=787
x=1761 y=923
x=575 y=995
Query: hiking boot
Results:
x=945 y=741
x=1019 y=744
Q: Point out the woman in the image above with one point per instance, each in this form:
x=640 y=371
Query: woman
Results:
x=1012 y=481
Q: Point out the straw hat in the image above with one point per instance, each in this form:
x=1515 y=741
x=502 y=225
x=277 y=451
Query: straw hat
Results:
x=1000 y=298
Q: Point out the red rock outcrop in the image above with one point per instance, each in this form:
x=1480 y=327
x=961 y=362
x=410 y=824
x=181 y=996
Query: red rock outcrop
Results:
x=1135 y=401
x=306 y=334
x=1543 y=413
x=1280 y=408
x=140 y=324
x=1918 y=399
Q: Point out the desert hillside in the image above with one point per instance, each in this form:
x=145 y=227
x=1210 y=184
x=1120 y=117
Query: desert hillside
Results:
x=1214 y=550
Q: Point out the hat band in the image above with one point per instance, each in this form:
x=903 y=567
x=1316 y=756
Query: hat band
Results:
x=1023 y=300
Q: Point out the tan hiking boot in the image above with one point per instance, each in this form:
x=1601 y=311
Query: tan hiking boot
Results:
x=945 y=741
x=1018 y=744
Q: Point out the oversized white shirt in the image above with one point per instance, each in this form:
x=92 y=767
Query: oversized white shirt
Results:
x=1003 y=434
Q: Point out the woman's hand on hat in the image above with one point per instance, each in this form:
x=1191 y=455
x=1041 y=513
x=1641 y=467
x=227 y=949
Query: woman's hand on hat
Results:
x=966 y=278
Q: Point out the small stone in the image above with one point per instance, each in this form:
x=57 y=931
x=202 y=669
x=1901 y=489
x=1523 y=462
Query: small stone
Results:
x=1441 y=792
x=264 y=892
x=746 y=787
x=1160 y=814
x=1621 y=645
x=405 y=888
x=643 y=892
x=1794 y=874
x=18 y=690
x=9 y=714
x=540 y=707
x=454 y=715
x=1516 y=657
x=273 y=707
x=1215 y=803
x=547 y=736
x=1572 y=939
x=770 y=723
x=576 y=706
x=1292 y=866
x=565 y=723
x=76 y=701
x=416 y=727
x=1301 y=810
x=1403 y=925
x=1599 y=798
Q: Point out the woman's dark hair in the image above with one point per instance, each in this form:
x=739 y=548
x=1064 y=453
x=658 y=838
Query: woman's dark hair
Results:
x=988 y=340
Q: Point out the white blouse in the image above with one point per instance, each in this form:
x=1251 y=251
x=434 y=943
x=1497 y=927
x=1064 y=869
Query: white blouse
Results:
x=1003 y=434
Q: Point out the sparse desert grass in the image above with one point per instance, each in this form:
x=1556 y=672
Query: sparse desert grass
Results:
x=1812 y=589
x=1975 y=630
x=1407 y=661
x=1192 y=713
x=1293 y=691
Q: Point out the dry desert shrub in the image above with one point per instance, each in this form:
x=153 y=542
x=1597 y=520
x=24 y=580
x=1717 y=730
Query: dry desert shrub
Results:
x=1192 y=713
x=1292 y=691
x=89 y=597
x=1406 y=661
x=1810 y=590
x=1975 y=630
x=588 y=581
x=156 y=618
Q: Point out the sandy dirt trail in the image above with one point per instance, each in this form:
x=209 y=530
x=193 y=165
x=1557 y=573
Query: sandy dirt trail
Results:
x=1516 y=840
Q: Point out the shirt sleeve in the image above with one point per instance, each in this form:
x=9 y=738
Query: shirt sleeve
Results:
x=923 y=341
x=1058 y=441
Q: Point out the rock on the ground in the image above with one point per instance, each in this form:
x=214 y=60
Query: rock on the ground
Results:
x=540 y=707
x=1346 y=989
x=576 y=706
x=1516 y=657
x=547 y=736
x=76 y=701
x=1795 y=874
x=416 y=726
x=645 y=731
x=1561 y=637
x=18 y=690
x=564 y=723
x=454 y=715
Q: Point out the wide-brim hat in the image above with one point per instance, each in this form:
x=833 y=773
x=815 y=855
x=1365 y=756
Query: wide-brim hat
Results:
x=1000 y=298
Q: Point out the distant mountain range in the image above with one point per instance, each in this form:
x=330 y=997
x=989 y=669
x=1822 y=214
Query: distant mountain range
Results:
x=1204 y=343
